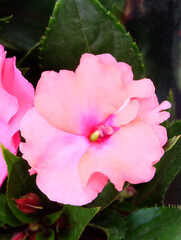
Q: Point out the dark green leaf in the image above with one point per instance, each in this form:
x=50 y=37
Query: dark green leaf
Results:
x=171 y=142
x=6 y=19
x=171 y=99
x=174 y=129
x=153 y=192
x=6 y=215
x=77 y=219
x=79 y=26
x=48 y=234
x=124 y=206
x=155 y=223
x=51 y=218
x=30 y=19
x=31 y=61
x=19 y=183
x=106 y=197
x=112 y=223
x=116 y=7
x=24 y=70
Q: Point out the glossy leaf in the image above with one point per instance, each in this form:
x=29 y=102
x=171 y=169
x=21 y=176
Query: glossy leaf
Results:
x=77 y=219
x=79 y=26
x=171 y=142
x=112 y=223
x=157 y=223
x=116 y=7
x=153 y=192
x=51 y=218
x=6 y=215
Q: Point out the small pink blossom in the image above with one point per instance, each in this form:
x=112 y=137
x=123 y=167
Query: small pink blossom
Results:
x=16 y=98
x=91 y=125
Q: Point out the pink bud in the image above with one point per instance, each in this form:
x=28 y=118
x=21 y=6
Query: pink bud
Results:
x=29 y=203
x=128 y=192
x=19 y=236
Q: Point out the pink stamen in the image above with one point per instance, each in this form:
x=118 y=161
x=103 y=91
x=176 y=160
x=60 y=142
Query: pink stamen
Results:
x=105 y=131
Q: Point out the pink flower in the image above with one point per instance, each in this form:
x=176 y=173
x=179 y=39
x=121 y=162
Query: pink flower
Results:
x=16 y=98
x=92 y=125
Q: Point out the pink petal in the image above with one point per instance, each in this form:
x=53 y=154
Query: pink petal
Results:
x=161 y=134
x=143 y=88
x=1 y=49
x=8 y=106
x=2 y=58
x=125 y=70
x=126 y=73
x=156 y=116
x=54 y=155
x=6 y=140
x=125 y=114
x=16 y=85
x=77 y=102
x=107 y=59
x=128 y=155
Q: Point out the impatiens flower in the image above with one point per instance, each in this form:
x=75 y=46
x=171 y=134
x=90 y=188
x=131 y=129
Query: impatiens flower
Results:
x=16 y=98
x=91 y=125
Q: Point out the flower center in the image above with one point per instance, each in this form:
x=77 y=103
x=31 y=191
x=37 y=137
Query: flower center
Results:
x=101 y=132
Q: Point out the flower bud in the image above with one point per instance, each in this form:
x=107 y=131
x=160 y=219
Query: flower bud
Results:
x=29 y=203
x=19 y=236
x=128 y=192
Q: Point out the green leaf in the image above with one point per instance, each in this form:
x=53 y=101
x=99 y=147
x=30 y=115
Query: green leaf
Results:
x=171 y=99
x=174 y=129
x=112 y=223
x=6 y=19
x=116 y=7
x=30 y=61
x=108 y=195
x=157 y=223
x=19 y=183
x=51 y=218
x=126 y=207
x=153 y=192
x=79 y=26
x=47 y=234
x=6 y=215
x=30 y=19
x=77 y=219
x=171 y=142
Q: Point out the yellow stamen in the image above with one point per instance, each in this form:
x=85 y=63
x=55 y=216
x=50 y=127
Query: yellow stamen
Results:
x=94 y=136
